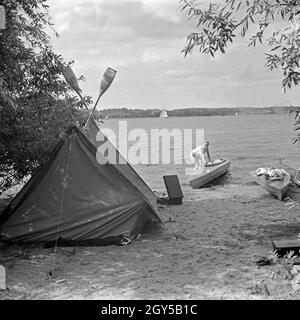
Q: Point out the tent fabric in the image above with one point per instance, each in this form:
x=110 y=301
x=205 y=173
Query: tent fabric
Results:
x=73 y=197
x=93 y=132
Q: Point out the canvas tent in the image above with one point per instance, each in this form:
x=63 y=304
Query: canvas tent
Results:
x=96 y=136
x=74 y=198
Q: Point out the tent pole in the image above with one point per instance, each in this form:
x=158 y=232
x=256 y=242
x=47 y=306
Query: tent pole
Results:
x=91 y=113
x=64 y=185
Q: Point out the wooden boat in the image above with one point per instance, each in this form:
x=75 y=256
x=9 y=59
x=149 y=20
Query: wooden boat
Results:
x=211 y=171
x=296 y=178
x=291 y=168
x=277 y=188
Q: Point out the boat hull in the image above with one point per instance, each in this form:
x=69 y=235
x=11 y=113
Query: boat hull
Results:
x=295 y=173
x=209 y=174
x=296 y=181
x=277 y=188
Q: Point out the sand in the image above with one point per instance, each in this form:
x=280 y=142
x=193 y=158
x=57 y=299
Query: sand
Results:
x=221 y=230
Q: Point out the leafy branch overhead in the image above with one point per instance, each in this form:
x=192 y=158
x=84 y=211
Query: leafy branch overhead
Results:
x=273 y=22
x=296 y=111
x=36 y=103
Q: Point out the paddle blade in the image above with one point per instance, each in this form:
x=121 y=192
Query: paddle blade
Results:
x=107 y=80
x=70 y=77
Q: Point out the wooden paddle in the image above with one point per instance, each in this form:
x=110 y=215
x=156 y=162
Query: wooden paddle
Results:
x=107 y=80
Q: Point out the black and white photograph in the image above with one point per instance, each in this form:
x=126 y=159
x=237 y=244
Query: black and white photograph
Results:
x=149 y=151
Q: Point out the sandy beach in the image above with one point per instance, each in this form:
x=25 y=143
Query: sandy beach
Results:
x=180 y=88
x=221 y=231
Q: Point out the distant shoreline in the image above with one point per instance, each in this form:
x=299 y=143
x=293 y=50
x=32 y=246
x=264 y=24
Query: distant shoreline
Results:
x=213 y=115
x=122 y=113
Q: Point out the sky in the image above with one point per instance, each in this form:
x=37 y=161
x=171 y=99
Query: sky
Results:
x=142 y=40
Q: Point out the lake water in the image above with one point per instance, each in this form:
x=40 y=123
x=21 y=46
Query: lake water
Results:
x=248 y=141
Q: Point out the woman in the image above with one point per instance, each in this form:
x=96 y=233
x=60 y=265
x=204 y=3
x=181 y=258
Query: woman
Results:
x=198 y=155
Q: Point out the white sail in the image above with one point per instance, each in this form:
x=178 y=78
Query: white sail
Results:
x=163 y=114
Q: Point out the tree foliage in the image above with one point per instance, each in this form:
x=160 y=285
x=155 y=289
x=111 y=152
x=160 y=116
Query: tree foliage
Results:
x=296 y=112
x=36 y=103
x=275 y=23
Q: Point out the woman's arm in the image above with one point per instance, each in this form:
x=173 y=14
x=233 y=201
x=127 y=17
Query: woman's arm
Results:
x=208 y=155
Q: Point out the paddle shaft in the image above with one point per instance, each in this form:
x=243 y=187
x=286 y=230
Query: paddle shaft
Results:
x=91 y=113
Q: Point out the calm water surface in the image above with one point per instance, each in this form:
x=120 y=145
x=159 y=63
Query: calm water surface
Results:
x=248 y=141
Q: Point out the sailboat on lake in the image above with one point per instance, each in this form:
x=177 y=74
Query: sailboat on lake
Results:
x=163 y=114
